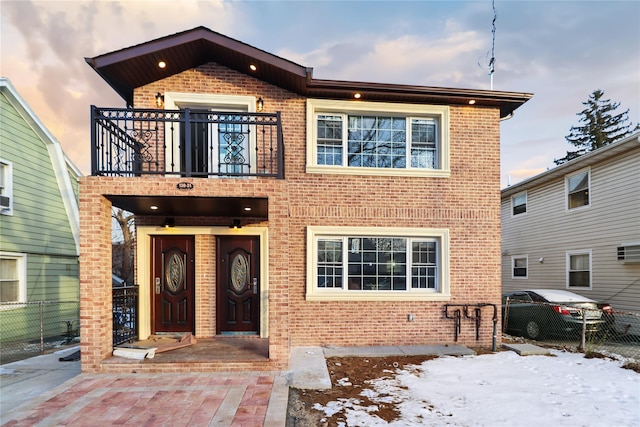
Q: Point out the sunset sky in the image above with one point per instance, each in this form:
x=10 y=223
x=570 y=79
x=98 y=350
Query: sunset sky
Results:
x=559 y=50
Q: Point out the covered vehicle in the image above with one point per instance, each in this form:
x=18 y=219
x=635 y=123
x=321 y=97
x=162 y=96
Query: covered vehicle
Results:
x=538 y=313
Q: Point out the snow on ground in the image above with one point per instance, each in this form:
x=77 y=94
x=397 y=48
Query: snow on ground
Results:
x=504 y=389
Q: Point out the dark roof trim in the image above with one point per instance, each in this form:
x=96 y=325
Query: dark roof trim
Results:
x=629 y=143
x=135 y=66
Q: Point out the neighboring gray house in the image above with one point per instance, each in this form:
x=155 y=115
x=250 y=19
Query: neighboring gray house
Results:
x=577 y=227
x=39 y=224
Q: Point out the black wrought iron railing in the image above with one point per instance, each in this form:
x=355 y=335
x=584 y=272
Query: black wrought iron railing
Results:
x=125 y=314
x=189 y=143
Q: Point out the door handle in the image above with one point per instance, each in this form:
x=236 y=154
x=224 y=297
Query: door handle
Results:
x=255 y=285
x=157 y=286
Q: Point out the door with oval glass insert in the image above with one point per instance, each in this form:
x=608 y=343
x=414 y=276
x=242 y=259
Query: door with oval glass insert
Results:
x=173 y=283
x=238 y=289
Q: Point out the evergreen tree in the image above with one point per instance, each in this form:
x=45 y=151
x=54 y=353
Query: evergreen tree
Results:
x=600 y=126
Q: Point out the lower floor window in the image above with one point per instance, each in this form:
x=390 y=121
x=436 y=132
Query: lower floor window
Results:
x=519 y=264
x=12 y=277
x=364 y=261
x=579 y=270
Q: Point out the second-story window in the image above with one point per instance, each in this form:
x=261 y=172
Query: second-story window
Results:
x=377 y=138
x=577 y=186
x=519 y=203
x=376 y=141
x=6 y=188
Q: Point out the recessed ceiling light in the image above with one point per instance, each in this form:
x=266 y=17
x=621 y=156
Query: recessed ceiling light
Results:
x=153 y=207
x=247 y=208
x=252 y=67
x=357 y=95
x=472 y=101
x=162 y=64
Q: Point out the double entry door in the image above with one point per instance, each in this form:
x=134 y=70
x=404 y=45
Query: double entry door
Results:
x=237 y=284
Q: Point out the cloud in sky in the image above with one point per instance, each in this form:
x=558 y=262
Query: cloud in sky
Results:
x=559 y=50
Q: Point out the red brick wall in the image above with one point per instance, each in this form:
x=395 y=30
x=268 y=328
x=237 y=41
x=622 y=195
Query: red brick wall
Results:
x=467 y=203
x=96 y=317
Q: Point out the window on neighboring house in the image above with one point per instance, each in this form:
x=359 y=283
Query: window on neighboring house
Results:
x=519 y=203
x=577 y=186
x=13 y=280
x=369 y=264
x=579 y=269
x=519 y=265
x=6 y=187
x=377 y=138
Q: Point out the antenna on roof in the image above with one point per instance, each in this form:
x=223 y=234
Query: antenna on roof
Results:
x=492 y=61
x=492 y=52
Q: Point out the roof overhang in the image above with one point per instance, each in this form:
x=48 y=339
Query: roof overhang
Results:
x=625 y=145
x=176 y=206
x=136 y=66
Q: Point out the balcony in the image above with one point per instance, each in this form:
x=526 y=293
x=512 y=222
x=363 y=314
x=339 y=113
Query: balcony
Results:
x=186 y=143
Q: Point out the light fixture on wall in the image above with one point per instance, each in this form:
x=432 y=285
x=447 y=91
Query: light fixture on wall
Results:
x=236 y=224
x=259 y=104
x=159 y=100
x=169 y=222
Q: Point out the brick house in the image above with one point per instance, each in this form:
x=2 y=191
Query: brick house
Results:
x=291 y=209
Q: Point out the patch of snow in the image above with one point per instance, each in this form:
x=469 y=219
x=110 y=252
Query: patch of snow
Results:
x=344 y=382
x=557 y=295
x=503 y=389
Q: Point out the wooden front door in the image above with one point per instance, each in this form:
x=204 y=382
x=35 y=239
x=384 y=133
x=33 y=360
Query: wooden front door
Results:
x=238 y=285
x=173 y=284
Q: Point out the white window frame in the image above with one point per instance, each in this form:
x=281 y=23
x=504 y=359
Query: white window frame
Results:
x=22 y=275
x=568 y=269
x=513 y=205
x=233 y=103
x=6 y=185
x=338 y=107
x=513 y=266
x=441 y=293
x=566 y=189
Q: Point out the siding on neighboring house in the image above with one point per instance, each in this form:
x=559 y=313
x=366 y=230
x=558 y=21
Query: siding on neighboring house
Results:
x=39 y=225
x=548 y=231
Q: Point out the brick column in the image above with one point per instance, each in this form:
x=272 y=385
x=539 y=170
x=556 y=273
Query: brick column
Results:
x=96 y=319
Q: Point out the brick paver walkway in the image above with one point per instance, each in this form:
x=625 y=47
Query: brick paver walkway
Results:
x=198 y=399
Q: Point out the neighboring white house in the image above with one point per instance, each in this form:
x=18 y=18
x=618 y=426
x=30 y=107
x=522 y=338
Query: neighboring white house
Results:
x=577 y=227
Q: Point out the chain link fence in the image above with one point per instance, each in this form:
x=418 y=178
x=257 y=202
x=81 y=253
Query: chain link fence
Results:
x=33 y=328
x=583 y=329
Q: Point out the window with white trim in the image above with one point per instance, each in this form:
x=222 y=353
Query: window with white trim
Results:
x=519 y=267
x=519 y=203
x=13 y=277
x=577 y=189
x=346 y=137
x=579 y=270
x=6 y=187
x=365 y=263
